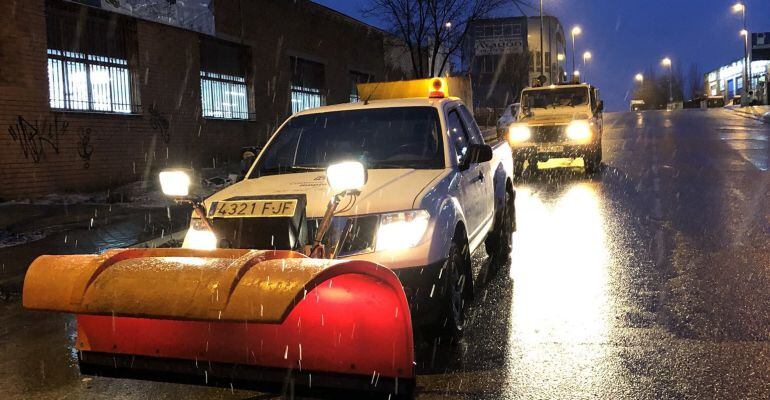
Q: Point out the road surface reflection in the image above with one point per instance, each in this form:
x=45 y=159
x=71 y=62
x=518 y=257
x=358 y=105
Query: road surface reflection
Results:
x=562 y=304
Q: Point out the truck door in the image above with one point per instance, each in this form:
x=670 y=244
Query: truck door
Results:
x=477 y=137
x=472 y=183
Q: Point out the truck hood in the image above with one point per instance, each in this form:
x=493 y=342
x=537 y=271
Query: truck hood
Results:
x=555 y=116
x=386 y=190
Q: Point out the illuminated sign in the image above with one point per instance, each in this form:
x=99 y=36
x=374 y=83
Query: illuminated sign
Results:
x=195 y=15
x=495 y=46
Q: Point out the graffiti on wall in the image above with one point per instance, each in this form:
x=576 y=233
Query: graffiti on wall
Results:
x=37 y=138
x=85 y=148
x=160 y=123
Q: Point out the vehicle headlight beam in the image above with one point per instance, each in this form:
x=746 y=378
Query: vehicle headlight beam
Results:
x=579 y=131
x=199 y=237
x=519 y=134
x=402 y=230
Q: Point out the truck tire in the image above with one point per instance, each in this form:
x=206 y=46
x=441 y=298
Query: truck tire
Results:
x=456 y=288
x=499 y=244
x=518 y=168
x=593 y=161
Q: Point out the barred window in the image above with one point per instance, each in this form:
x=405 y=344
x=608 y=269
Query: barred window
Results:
x=88 y=60
x=355 y=79
x=224 y=91
x=307 y=85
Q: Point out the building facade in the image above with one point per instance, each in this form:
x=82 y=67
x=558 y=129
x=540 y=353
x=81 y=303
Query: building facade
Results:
x=503 y=56
x=727 y=81
x=555 y=49
x=91 y=98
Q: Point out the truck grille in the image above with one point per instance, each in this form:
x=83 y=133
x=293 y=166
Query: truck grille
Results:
x=549 y=134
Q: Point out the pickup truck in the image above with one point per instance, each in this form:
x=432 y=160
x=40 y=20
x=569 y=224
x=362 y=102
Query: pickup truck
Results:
x=558 y=121
x=435 y=193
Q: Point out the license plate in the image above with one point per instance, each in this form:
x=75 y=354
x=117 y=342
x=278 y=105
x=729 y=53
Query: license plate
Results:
x=253 y=209
x=550 y=149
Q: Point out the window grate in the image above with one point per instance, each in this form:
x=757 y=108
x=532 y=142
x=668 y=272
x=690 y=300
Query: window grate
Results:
x=224 y=96
x=308 y=83
x=88 y=60
x=224 y=89
x=303 y=98
x=84 y=82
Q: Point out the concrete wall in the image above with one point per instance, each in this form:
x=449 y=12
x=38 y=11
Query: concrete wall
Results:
x=44 y=151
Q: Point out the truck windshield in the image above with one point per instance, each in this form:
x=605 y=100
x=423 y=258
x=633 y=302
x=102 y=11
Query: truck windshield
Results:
x=552 y=98
x=408 y=137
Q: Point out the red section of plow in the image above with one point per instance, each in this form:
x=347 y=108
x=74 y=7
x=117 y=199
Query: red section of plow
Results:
x=349 y=324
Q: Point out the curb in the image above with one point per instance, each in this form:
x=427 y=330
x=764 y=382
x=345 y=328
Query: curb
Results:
x=761 y=118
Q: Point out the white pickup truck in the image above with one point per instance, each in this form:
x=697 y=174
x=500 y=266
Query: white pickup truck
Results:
x=435 y=193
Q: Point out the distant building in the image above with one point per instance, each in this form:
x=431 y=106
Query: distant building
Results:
x=727 y=81
x=503 y=56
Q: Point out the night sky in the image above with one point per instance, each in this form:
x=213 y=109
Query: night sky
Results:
x=627 y=36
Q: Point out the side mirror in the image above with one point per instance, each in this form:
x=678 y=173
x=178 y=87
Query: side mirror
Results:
x=600 y=106
x=476 y=154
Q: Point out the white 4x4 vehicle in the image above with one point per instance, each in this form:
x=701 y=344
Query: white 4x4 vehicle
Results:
x=558 y=121
x=435 y=193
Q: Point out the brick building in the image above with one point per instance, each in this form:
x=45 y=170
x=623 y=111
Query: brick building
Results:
x=92 y=98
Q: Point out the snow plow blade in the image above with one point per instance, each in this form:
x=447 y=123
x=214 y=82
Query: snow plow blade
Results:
x=232 y=317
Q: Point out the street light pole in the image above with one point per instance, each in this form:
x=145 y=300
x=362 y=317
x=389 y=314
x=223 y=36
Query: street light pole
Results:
x=575 y=31
x=667 y=63
x=542 y=42
x=740 y=7
x=586 y=57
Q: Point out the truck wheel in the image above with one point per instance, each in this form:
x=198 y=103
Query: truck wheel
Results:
x=518 y=168
x=593 y=161
x=499 y=244
x=456 y=289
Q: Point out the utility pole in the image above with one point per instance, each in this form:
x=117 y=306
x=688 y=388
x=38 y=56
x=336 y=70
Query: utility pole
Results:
x=542 y=42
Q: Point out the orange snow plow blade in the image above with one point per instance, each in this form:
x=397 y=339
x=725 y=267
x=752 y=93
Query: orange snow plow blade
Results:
x=232 y=317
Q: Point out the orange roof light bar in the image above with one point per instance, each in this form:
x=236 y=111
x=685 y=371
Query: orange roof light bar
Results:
x=437 y=89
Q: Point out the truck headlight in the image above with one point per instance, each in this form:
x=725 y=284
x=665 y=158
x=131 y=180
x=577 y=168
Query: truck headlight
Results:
x=579 y=131
x=519 y=133
x=402 y=230
x=199 y=237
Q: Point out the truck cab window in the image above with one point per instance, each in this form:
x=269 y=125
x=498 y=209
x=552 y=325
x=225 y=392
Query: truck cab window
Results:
x=473 y=130
x=457 y=134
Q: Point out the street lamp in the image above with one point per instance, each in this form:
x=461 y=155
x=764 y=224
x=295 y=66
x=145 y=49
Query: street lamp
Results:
x=576 y=76
x=667 y=63
x=740 y=7
x=639 y=78
x=576 y=31
x=586 y=57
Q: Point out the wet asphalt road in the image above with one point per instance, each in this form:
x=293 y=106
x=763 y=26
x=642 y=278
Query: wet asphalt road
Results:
x=647 y=281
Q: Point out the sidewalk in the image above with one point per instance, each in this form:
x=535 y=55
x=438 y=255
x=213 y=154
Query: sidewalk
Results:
x=75 y=229
x=127 y=216
x=760 y=113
